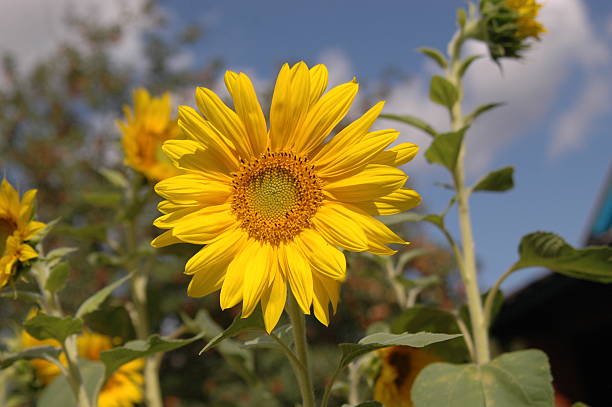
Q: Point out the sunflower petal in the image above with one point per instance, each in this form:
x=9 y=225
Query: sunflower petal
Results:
x=194 y=187
x=233 y=285
x=323 y=257
x=396 y=156
x=298 y=272
x=207 y=281
x=165 y=239
x=396 y=202
x=333 y=221
x=373 y=182
x=318 y=82
x=273 y=299
x=217 y=252
x=204 y=225
x=256 y=278
x=191 y=156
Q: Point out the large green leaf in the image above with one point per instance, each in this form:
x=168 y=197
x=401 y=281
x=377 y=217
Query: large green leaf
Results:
x=443 y=92
x=93 y=303
x=412 y=121
x=544 y=249
x=496 y=181
x=435 y=56
x=351 y=351
x=116 y=357
x=43 y=326
x=444 y=149
x=517 y=379
x=37 y=352
x=59 y=393
x=253 y=323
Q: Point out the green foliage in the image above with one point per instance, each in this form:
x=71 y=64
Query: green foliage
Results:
x=465 y=64
x=412 y=121
x=444 y=149
x=93 y=303
x=37 y=352
x=517 y=379
x=253 y=323
x=59 y=394
x=116 y=357
x=365 y=404
x=543 y=249
x=57 y=277
x=43 y=326
x=283 y=334
x=496 y=181
x=480 y=110
x=436 y=56
x=443 y=92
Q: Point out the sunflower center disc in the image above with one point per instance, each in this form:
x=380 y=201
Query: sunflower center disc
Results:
x=7 y=227
x=275 y=196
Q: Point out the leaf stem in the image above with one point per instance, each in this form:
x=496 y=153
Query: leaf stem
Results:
x=301 y=350
x=490 y=300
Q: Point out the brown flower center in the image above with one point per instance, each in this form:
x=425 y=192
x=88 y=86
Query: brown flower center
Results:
x=7 y=227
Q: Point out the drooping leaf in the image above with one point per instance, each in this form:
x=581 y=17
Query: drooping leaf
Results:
x=351 y=351
x=412 y=121
x=443 y=92
x=480 y=110
x=60 y=252
x=57 y=277
x=37 y=352
x=435 y=55
x=444 y=149
x=43 y=326
x=253 y=323
x=114 y=177
x=59 y=393
x=496 y=181
x=93 y=303
x=283 y=333
x=116 y=357
x=514 y=379
x=544 y=249
x=465 y=64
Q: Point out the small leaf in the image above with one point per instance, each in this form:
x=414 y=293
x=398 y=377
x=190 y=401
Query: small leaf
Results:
x=116 y=357
x=444 y=149
x=93 y=303
x=480 y=110
x=37 y=352
x=465 y=64
x=253 y=322
x=114 y=177
x=412 y=121
x=60 y=252
x=351 y=351
x=59 y=394
x=543 y=249
x=443 y=92
x=21 y=296
x=44 y=326
x=435 y=55
x=461 y=18
x=57 y=277
x=514 y=379
x=283 y=333
x=496 y=181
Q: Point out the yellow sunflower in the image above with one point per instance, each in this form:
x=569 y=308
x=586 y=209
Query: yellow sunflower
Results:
x=273 y=206
x=144 y=130
x=122 y=389
x=527 y=11
x=16 y=227
x=400 y=367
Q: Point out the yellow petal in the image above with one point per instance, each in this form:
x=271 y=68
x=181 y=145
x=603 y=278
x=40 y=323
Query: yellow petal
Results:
x=373 y=182
x=396 y=156
x=165 y=239
x=220 y=251
x=27 y=205
x=359 y=155
x=248 y=108
x=194 y=187
x=290 y=103
x=318 y=82
x=397 y=201
x=256 y=277
x=205 y=224
x=208 y=280
x=353 y=133
x=32 y=228
x=323 y=116
x=273 y=299
x=377 y=234
x=173 y=206
x=233 y=285
x=333 y=221
x=223 y=119
x=298 y=273
x=323 y=257
x=320 y=302
x=191 y=156
x=26 y=252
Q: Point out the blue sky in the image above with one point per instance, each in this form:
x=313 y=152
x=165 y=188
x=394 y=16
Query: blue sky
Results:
x=555 y=128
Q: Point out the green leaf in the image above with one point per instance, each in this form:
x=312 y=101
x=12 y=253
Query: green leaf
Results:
x=60 y=252
x=114 y=177
x=351 y=351
x=116 y=357
x=20 y=295
x=283 y=333
x=480 y=110
x=365 y=404
x=93 y=303
x=37 y=352
x=496 y=181
x=544 y=249
x=57 y=277
x=412 y=121
x=465 y=64
x=253 y=323
x=443 y=92
x=514 y=379
x=59 y=393
x=44 y=326
x=461 y=18
x=444 y=149
x=435 y=55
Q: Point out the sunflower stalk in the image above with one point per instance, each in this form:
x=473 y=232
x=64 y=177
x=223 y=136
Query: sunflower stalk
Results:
x=302 y=373
x=139 y=284
x=467 y=261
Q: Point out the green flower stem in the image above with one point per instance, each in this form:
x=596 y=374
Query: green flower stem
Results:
x=469 y=271
x=301 y=349
x=139 y=282
x=74 y=375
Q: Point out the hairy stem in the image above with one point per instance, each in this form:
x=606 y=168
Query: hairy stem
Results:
x=301 y=350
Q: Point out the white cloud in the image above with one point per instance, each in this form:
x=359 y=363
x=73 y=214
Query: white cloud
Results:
x=339 y=65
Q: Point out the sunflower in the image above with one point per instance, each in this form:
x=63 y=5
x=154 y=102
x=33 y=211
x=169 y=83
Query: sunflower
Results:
x=122 y=389
x=400 y=367
x=16 y=228
x=275 y=206
x=527 y=11
x=144 y=130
